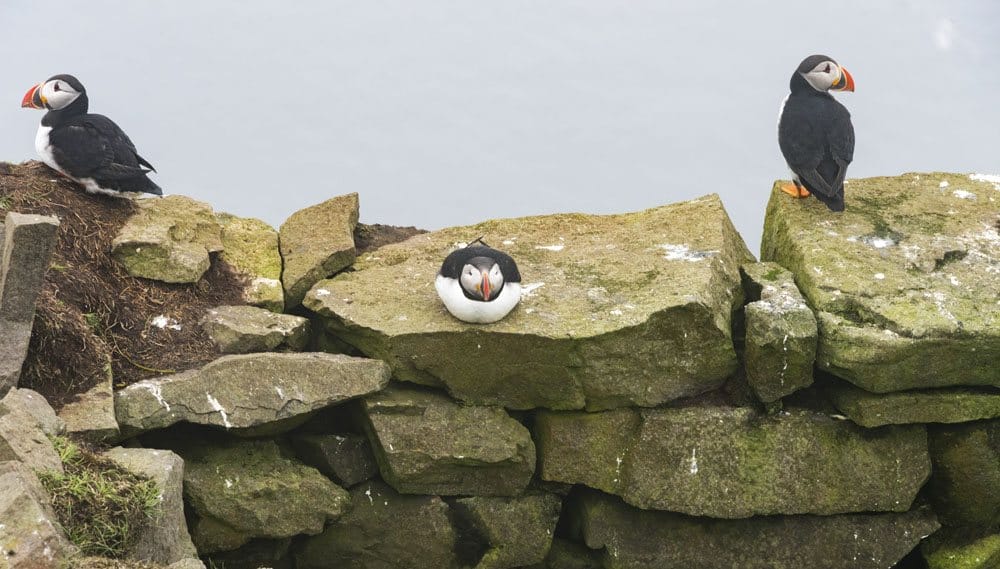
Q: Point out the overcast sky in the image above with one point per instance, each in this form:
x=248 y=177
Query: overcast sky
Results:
x=450 y=112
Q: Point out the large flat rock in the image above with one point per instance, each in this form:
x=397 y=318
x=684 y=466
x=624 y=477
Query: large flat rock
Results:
x=30 y=536
x=425 y=443
x=904 y=282
x=946 y=405
x=244 y=391
x=639 y=539
x=617 y=310
x=726 y=462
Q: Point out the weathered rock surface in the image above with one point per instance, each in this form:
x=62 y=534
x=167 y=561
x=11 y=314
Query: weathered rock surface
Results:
x=962 y=549
x=617 y=310
x=425 y=443
x=246 y=329
x=23 y=434
x=25 y=245
x=384 y=530
x=732 y=462
x=345 y=458
x=249 y=489
x=316 y=242
x=169 y=240
x=167 y=540
x=639 y=539
x=91 y=414
x=518 y=530
x=904 y=282
x=251 y=247
x=250 y=390
x=30 y=537
x=258 y=554
x=949 y=405
x=965 y=487
x=32 y=403
x=780 y=333
x=566 y=554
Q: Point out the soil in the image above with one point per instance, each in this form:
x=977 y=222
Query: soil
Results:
x=91 y=312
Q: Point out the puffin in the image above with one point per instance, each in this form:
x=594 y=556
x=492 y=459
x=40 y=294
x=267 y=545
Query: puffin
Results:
x=815 y=131
x=478 y=284
x=89 y=149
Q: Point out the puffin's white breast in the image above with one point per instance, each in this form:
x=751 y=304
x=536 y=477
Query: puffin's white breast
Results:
x=44 y=149
x=476 y=311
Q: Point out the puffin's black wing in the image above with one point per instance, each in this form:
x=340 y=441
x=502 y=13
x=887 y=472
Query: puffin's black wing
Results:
x=93 y=146
x=453 y=263
x=817 y=139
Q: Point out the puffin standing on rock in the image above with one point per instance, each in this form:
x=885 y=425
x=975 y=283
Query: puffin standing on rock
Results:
x=478 y=284
x=89 y=149
x=815 y=131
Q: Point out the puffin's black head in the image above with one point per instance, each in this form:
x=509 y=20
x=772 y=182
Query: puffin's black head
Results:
x=56 y=93
x=481 y=278
x=821 y=73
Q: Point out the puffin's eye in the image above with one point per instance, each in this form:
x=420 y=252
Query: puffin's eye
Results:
x=55 y=86
x=827 y=68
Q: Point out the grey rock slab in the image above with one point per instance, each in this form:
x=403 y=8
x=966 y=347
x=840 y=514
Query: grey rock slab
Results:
x=345 y=458
x=734 y=462
x=315 y=243
x=781 y=333
x=91 y=414
x=30 y=537
x=638 y=539
x=167 y=540
x=903 y=283
x=246 y=329
x=965 y=486
x=190 y=563
x=23 y=439
x=425 y=443
x=946 y=405
x=35 y=405
x=242 y=391
x=384 y=530
x=517 y=530
x=241 y=490
x=616 y=310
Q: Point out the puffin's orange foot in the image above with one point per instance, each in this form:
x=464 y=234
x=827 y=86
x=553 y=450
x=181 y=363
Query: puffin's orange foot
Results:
x=795 y=191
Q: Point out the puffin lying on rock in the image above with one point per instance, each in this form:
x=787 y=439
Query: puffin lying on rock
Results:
x=478 y=284
x=89 y=149
x=815 y=131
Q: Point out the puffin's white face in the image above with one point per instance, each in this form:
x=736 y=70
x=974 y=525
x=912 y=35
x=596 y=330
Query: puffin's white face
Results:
x=482 y=280
x=57 y=94
x=828 y=75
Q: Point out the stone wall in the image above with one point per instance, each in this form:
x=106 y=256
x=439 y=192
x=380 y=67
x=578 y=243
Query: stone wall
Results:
x=657 y=399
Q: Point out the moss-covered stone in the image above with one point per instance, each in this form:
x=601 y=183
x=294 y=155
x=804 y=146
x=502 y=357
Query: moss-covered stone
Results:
x=733 y=462
x=251 y=247
x=904 y=282
x=962 y=549
x=315 y=243
x=638 y=539
x=565 y=554
x=345 y=458
x=251 y=489
x=780 y=333
x=617 y=310
x=169 y=239
x=425 y=443
x=948 y=405
x=384 y=530
x=965 y=487
x=518 y=530
x=245 y=329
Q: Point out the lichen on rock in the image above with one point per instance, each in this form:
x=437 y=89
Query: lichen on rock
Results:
x=251 y=247
x=315 y=243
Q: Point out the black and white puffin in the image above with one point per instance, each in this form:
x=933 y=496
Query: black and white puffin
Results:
x=90 y=149
x=478 y=284
x=815 y=131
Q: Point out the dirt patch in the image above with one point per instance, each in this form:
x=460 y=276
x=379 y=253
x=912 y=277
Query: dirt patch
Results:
x=369 y=237
x=91 y=312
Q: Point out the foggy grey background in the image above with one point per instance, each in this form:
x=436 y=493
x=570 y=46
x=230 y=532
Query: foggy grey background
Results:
x=447 y=112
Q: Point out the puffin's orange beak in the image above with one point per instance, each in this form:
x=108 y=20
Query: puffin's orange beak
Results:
x=485 y=287
x=33 y=98
x=845 y=82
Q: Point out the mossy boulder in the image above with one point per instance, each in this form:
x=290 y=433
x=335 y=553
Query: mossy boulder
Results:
x=616 y=310
x=962 y=549
x=251 y=247
x=517 y=531
x=425 y=443
x=780 y=333
x=904 y=282
x=169 y=239
x=315 y=243
x=727 y=462
x=384 y=530
x=965 y=487
x=947 y=405
x=638 y=539
x=241 y=490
